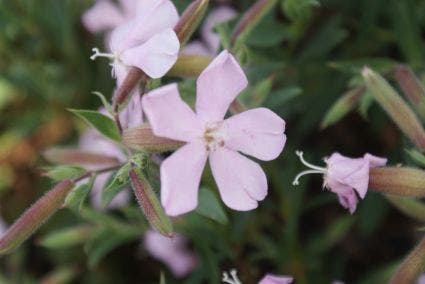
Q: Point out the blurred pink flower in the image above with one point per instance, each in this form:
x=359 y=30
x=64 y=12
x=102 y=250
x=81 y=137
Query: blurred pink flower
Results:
x=257 y=132
x=421 y=279
x=106 y=15
x=347 y=177
x=276 y=279
x=173 y=252
x=209 y=42
x=146 y=41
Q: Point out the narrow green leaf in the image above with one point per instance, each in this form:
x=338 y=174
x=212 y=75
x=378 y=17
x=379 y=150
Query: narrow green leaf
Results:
x=105 y=102
x=417 y=156
x=299 y=9
x=101 y=122
x=118 y=184
x=78 y=194
x=66 y=238
x=162 y=278
x=210 y=207
x=64 y=172
x=412 y=207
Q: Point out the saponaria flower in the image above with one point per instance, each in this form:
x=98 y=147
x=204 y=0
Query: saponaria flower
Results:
x=173 y=252
x=276 y=279
x=347 y=177
x=257 y=132
x=147 y=41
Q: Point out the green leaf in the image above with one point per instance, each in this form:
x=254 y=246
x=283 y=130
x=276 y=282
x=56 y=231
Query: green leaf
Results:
x=102 y=123
x=162 y=278
x=66 y=238
x=416 y=156
x=105 y=102
x=210 y=207
x=64 y=172
x=118 y=183
x=76 y=197
x=299 y=9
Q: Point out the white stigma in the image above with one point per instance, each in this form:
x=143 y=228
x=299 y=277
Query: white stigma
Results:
x=313 y=169
x=232 y=279
x=97 y=53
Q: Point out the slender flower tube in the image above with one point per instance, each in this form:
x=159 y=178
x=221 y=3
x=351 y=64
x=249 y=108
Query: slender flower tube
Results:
x=257 y=132
x=346 y=177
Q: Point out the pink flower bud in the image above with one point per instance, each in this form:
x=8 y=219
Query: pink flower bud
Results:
x=190 y=20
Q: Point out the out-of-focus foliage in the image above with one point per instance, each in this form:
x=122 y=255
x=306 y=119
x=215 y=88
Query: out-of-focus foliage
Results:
x=301 y=59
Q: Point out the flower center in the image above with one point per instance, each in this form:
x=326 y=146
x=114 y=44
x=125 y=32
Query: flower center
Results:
x=313 y=169
x=214 y=136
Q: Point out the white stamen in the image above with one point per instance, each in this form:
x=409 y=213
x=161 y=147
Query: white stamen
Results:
x=231 y=280
x=97 y=53
x=314 y=169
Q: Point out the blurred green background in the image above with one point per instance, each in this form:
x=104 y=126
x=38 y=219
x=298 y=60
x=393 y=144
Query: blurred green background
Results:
x=300 y=59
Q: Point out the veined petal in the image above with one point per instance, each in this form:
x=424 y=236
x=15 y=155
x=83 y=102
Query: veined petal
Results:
x=241 y=182
x=218 y=85
x=103 y=15
x=180 y=178
x=257 y=132
x=151 y=17
x=156 y=56
x=170 y=116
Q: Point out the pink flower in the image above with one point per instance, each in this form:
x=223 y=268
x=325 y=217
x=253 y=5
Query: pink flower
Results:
x=257 y=132
x=105 y=15
x=146 y=41
x=209 y=42
x=346 y=177
x=421 y=279
x=276 y=279
x=171 y=251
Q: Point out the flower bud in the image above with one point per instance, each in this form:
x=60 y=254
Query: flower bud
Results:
x=398 y=181
x=190 y=20
x=249 y=20
x=142 y=138
x=133 y=77
x=149 y=203
x=412 y=88
x=35 y=216
x=412 y=266
x=396 y=108
x=189 y=65
x=78 y=157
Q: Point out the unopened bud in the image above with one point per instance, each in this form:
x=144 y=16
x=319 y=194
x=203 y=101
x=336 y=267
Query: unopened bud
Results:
x=78 y=157
x=149 y=203
x=35 y=216
x=412 y=266
x=396 y=108
x=249 y=20
x=412 y=88
x=142 y=138
x=190 y=20
x=398 y=181
x=189 y=65
x=134 y=75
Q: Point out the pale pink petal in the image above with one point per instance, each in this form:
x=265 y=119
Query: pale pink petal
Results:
x=129 y=7
x=170 y=116
x=218 y=85
x=241 y=182
x=102 y=16
x=257 y=132
x=180 y=178
x=421 y=279
x=217 y=16
x=375 y=161
x=196 y=48
x=155 y=56
x=152 y=17
x=132 y=115
x=173 y=252
x=276 y=279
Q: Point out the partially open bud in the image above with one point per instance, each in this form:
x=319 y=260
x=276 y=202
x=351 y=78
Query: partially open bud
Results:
x=412 y=88
x=396 y=108
x=142 y=138
x=412 y=266
x=398 y=181
x=189 y=65
x=190 y=20
x=35 y=216
x=78 y=157
x=249 y=20
x=149 y=203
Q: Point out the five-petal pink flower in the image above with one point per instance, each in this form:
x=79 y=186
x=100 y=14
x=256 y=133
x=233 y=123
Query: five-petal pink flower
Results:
x=276 y=279
x=257 y=132
x=146 y=41
x=173 y=252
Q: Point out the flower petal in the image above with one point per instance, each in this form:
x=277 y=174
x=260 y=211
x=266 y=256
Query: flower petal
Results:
x=170 y=116
x=257 y=132
x=196 y=47
x=151 y=18
x=103 y=15
x=276 y=279
x=218 y=85
x=180 y=178
x=241 y=182
x=132 y=116
x=156 y=56
x=217 y=16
